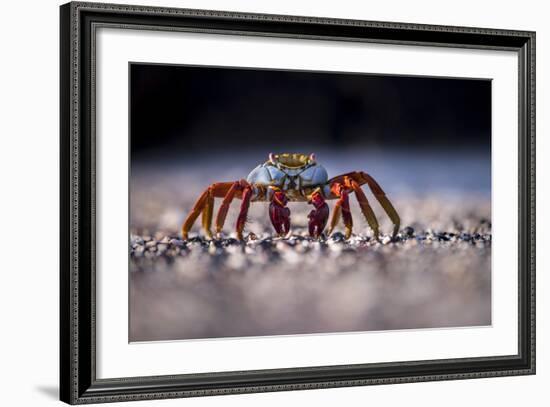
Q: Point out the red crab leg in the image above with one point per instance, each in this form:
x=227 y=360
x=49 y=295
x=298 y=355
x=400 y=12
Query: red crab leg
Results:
x=363 y=178
x=222 y=212
x=341 y=207
x=205 y=204
x=318 y=216
x=207 y=213
x=346 y=213
x=279 y=213
x=241 y=220
x=195 y=212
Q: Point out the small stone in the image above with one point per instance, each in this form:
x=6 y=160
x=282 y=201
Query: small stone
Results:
x=213 y=249
x=177 y=242
x=136 y=240
x=231 y=241
x=337 y=237
x=386 y=239
x=291 y=243
x=421 y=237
x=408 y=231
x=162 y=247
x=265 y=245
x=138 y=251
x=465 y=236
x=150 y=244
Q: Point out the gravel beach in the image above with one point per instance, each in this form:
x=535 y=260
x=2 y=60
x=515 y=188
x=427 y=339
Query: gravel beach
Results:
x=436 y=273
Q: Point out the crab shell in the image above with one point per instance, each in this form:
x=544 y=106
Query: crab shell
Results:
x=298 y=175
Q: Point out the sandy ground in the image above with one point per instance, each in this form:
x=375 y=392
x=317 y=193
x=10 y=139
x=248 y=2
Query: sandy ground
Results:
x=437 y=273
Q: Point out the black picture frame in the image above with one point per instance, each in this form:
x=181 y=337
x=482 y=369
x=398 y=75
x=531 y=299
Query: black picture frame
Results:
x=78 y=382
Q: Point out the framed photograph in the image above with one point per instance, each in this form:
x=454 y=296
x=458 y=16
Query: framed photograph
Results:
x=255 y=203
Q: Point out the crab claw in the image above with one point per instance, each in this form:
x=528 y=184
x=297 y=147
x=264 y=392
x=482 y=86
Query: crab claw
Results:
x=317 y=217
x=279 y=213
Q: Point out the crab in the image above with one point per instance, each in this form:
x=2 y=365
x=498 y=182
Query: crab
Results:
x=295 y=178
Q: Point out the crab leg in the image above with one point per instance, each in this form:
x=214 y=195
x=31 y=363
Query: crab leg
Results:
x=241 y=220
x=224 y=208
x=318 y=216
x=207 y=214
x=341 y=207
x=362 y=178
x=205 y=205
x=195 y=212
x=384 y=202
x=366 y=208
x=279 y=213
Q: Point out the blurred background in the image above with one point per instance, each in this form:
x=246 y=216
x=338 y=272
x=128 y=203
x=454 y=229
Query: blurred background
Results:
x=427 y=141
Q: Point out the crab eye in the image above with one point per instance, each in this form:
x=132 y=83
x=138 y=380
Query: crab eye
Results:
x=312 y=157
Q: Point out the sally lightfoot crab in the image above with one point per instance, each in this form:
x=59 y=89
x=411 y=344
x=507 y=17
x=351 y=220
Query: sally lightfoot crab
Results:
x=297 y=178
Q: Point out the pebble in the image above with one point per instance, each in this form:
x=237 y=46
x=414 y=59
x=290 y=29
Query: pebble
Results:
x=231 y=241
x=337 y=237
x=177 y=242
x=136 y=240
x=138 y=251
x=408 y=231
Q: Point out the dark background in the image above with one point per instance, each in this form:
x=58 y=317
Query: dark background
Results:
x=188 y=110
